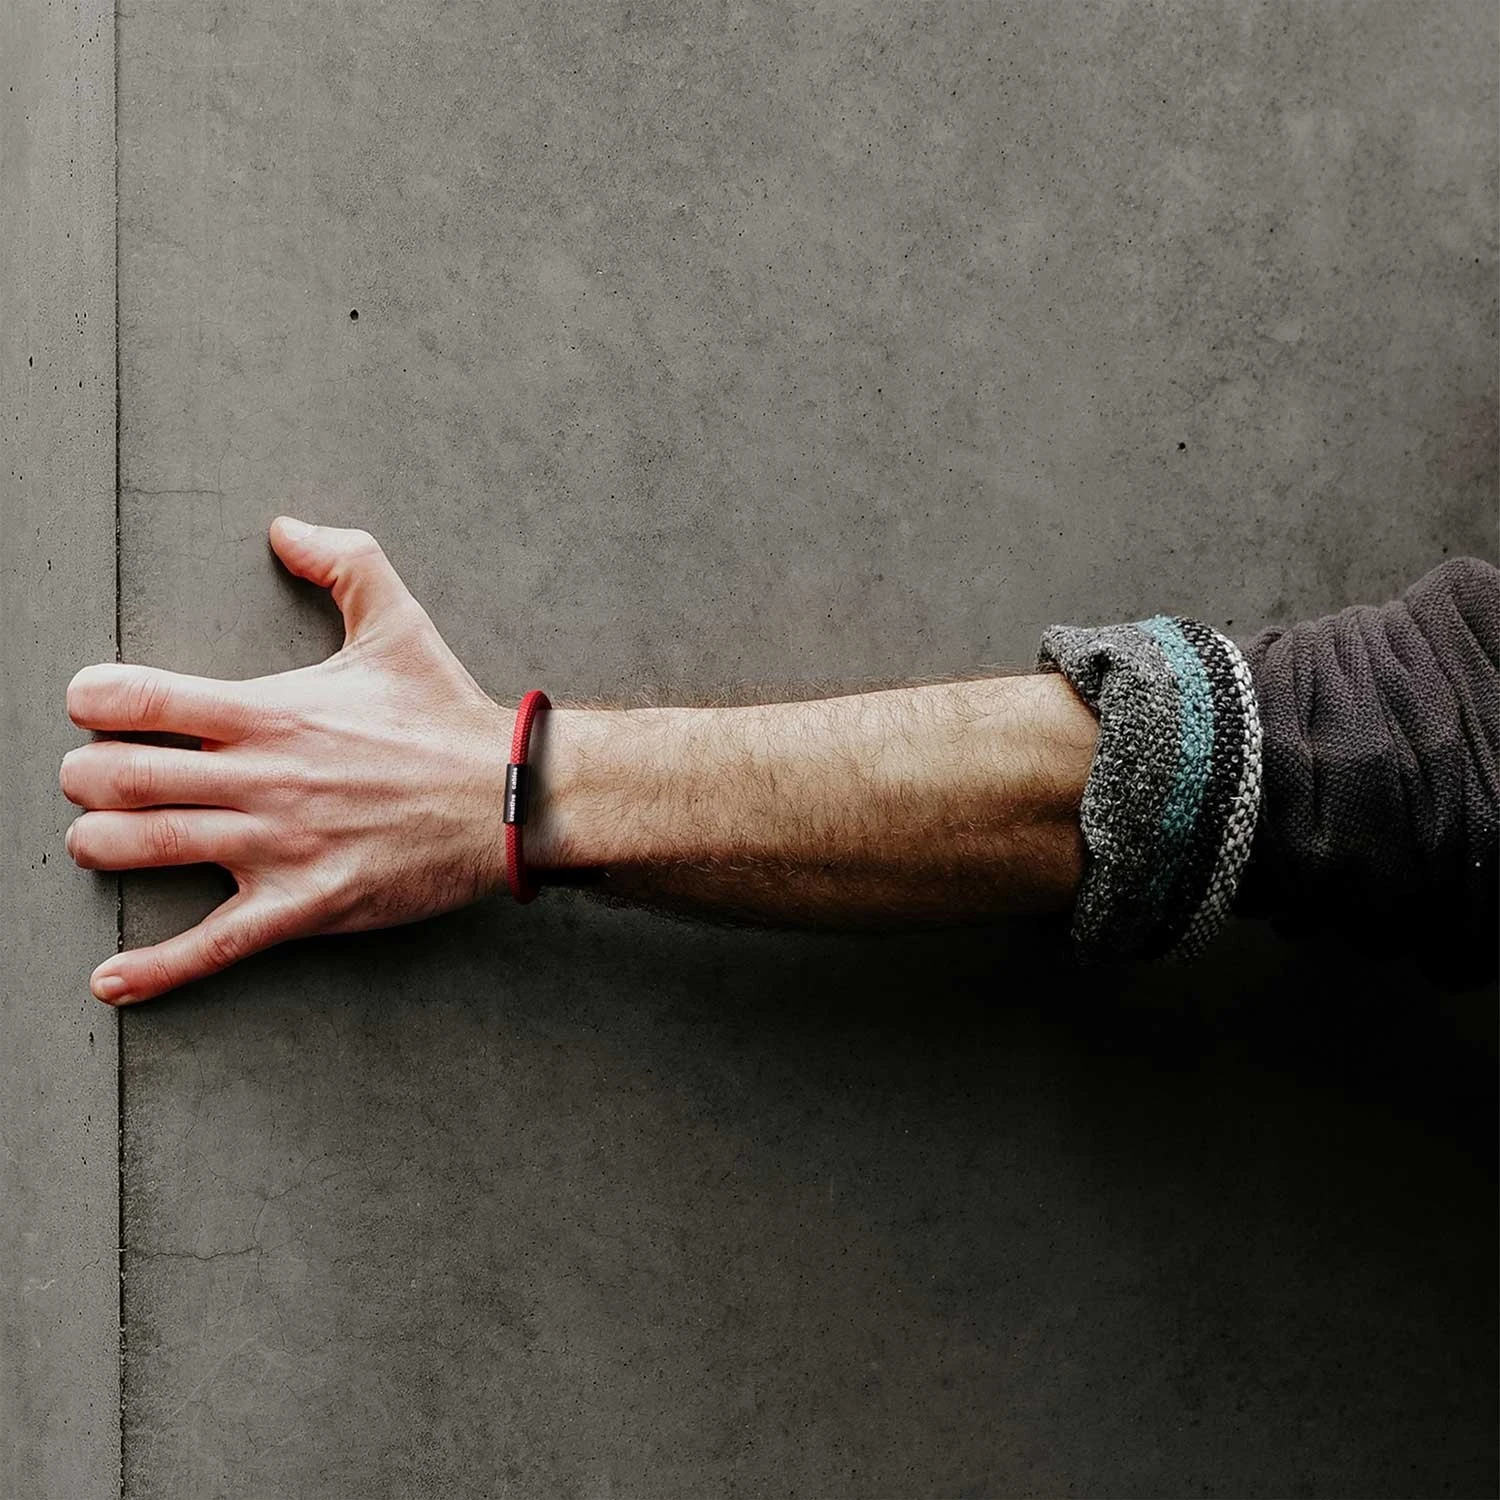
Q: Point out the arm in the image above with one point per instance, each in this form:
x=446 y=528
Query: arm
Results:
x=1382 y=764
x=939 y=803
x=365 y=791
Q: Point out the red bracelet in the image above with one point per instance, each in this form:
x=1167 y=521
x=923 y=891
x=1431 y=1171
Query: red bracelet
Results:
x=514 y=814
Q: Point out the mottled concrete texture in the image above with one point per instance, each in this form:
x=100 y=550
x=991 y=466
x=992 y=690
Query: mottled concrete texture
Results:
x=705 y=344
x=59 y=1122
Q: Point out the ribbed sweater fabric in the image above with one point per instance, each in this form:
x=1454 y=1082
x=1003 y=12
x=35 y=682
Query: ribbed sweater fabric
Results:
x=1381 y=750
x=1342 y=774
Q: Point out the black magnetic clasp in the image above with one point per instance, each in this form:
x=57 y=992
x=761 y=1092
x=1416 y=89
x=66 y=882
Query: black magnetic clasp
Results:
x=515 y=794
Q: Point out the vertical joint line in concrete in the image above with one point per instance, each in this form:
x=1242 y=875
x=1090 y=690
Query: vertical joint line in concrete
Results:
x=119 y=878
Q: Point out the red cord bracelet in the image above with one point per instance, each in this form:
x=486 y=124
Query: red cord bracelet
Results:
x=514 y=813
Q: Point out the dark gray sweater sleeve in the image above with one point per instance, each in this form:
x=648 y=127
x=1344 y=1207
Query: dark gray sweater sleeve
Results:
x=1380 y=813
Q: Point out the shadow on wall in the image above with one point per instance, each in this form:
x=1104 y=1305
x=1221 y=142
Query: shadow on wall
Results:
x=1320 y=1014
x=940 y=1202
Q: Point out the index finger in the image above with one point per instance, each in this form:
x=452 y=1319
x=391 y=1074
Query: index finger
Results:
x=115 y=697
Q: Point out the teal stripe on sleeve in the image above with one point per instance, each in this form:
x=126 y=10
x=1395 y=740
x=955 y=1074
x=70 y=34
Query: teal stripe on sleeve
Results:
x=1196 y=724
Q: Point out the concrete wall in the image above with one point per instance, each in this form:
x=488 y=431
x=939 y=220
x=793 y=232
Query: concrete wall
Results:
x=59 y=1121
x=709 y=344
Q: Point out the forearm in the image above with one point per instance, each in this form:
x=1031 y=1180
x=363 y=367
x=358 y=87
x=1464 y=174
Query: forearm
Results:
x=943 y=803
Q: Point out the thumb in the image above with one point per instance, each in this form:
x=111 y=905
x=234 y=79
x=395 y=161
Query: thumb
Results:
x=236 y=929
x=350 y=563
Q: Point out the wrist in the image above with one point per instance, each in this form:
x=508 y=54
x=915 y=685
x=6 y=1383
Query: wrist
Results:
x=599 y=787
x=553 y=842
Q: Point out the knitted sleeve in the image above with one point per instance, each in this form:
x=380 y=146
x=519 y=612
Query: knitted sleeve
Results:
x=1173 y=794
x=1382 y=774
x=1341 y=774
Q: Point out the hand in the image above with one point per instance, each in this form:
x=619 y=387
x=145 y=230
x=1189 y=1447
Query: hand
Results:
x=362 y=792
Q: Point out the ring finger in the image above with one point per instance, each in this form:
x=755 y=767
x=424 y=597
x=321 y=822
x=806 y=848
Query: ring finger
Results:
x=163 y=836
x=116 y=773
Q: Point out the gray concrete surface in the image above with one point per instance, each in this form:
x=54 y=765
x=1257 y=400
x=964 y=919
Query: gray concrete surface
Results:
x=59 y=1122
x=703 y=345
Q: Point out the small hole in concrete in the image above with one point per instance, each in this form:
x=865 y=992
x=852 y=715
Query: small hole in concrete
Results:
x=354 y=315
x=1181 y=446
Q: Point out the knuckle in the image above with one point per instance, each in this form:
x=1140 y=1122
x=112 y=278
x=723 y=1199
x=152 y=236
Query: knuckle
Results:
x=146 y=699
x=241 y=721
x=268 y=712
x=255 y=718
x=135 y=779
x=167 y=839
x=156 y=970
x=222 y=947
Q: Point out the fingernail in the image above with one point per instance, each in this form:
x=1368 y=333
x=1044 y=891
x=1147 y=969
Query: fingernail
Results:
x=110 y=988
x=295 y=529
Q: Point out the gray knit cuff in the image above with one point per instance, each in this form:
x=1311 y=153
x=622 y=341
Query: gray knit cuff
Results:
x=1173 y=794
